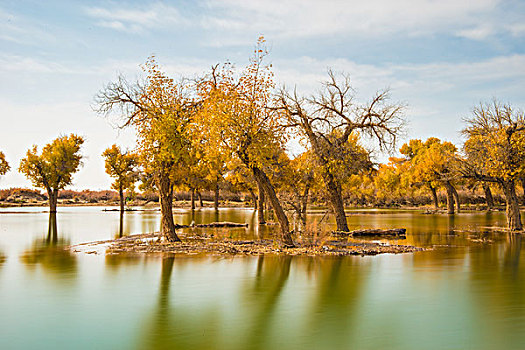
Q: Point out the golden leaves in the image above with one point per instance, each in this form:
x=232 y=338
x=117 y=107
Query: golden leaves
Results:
x=54 y=167
x=4 y=165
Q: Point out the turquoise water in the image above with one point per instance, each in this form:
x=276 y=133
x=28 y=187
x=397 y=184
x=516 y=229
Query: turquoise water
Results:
x=465 y=294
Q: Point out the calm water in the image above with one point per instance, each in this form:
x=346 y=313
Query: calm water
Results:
x=465 y=294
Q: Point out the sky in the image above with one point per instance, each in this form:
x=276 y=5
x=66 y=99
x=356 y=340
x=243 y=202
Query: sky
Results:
x=440 y=58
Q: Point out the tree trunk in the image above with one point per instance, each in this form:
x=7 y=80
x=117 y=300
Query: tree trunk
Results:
x=434 y=195
x=167 y=226
x=450 y=197
x=336 y=201
x=304 y=204
x=488 y=195
x=512 y=205
x=216 y=197
x=192 y=193
x=121 y=225
x=121 y=196
x=260 y=204
x=456 y=198
x=53 y=199
x=264 y=181
x=200 y=199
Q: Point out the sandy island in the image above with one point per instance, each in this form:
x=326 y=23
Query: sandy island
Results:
x=203 y=244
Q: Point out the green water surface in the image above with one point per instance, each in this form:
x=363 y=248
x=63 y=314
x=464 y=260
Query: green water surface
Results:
x=467 y=293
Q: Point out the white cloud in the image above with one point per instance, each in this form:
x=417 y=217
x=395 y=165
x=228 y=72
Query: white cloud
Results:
x=136 y=20
x=236 y=22
x=299 y=18
x=479 y=32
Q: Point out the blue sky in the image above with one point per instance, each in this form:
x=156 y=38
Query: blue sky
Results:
x=439 y=57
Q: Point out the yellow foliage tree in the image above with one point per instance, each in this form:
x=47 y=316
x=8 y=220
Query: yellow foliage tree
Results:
x=495 y=152
x=4 y=165
x=160 y=109
x=236 y=120
x=122 y=166
x=433 y=163
x=53 y=169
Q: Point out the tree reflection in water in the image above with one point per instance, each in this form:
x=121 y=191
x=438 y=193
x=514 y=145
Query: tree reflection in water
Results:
x=50 y=255
x=264 y=316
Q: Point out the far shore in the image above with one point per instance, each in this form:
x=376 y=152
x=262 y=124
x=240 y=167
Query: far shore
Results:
x=185 y=204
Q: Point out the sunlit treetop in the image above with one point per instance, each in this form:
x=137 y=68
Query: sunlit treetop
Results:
x=163 y=119
x=122 y=166
x=55 y=166
x=429 y=161
x=495 y=146
x=235 y=114
x=392 y=178
x=159 y=108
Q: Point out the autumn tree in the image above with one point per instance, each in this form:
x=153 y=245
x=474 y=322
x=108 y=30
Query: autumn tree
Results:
x=328 y=119
x=214 y=169
x=4 y=165
x=298 y=177
x=236 y=119
x=433 y=163
x=160 y=110
x=409 y=150
x=391 y=180
x=122 y=166
x=240 y=179
x=53 y=169
x=495 y=152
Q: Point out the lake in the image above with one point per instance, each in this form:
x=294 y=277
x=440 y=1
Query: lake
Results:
x=467 y=293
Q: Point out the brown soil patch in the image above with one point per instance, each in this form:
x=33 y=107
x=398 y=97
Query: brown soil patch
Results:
x=204 y=245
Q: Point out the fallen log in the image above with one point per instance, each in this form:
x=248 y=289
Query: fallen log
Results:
x=213 y=224
x=374 y=232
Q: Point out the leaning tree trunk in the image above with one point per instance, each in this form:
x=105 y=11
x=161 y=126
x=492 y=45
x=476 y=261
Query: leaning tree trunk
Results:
x=450 y=197
x=456 y=198
x=488 y=195
x=52 y=193
x=167 y=226
x=512 y=205
x=336 y=201
x=216 y=197
x=254 y=198
x=434 y=195
x=264 y=181
x=260 y=204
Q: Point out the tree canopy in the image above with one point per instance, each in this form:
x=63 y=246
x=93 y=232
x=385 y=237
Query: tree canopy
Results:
x=53 y=169
x=495 y=151
x=122 y=166
x=4 y=165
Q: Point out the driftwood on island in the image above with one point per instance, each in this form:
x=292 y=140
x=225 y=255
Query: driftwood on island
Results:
x=374 y=232
x=213 y=224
